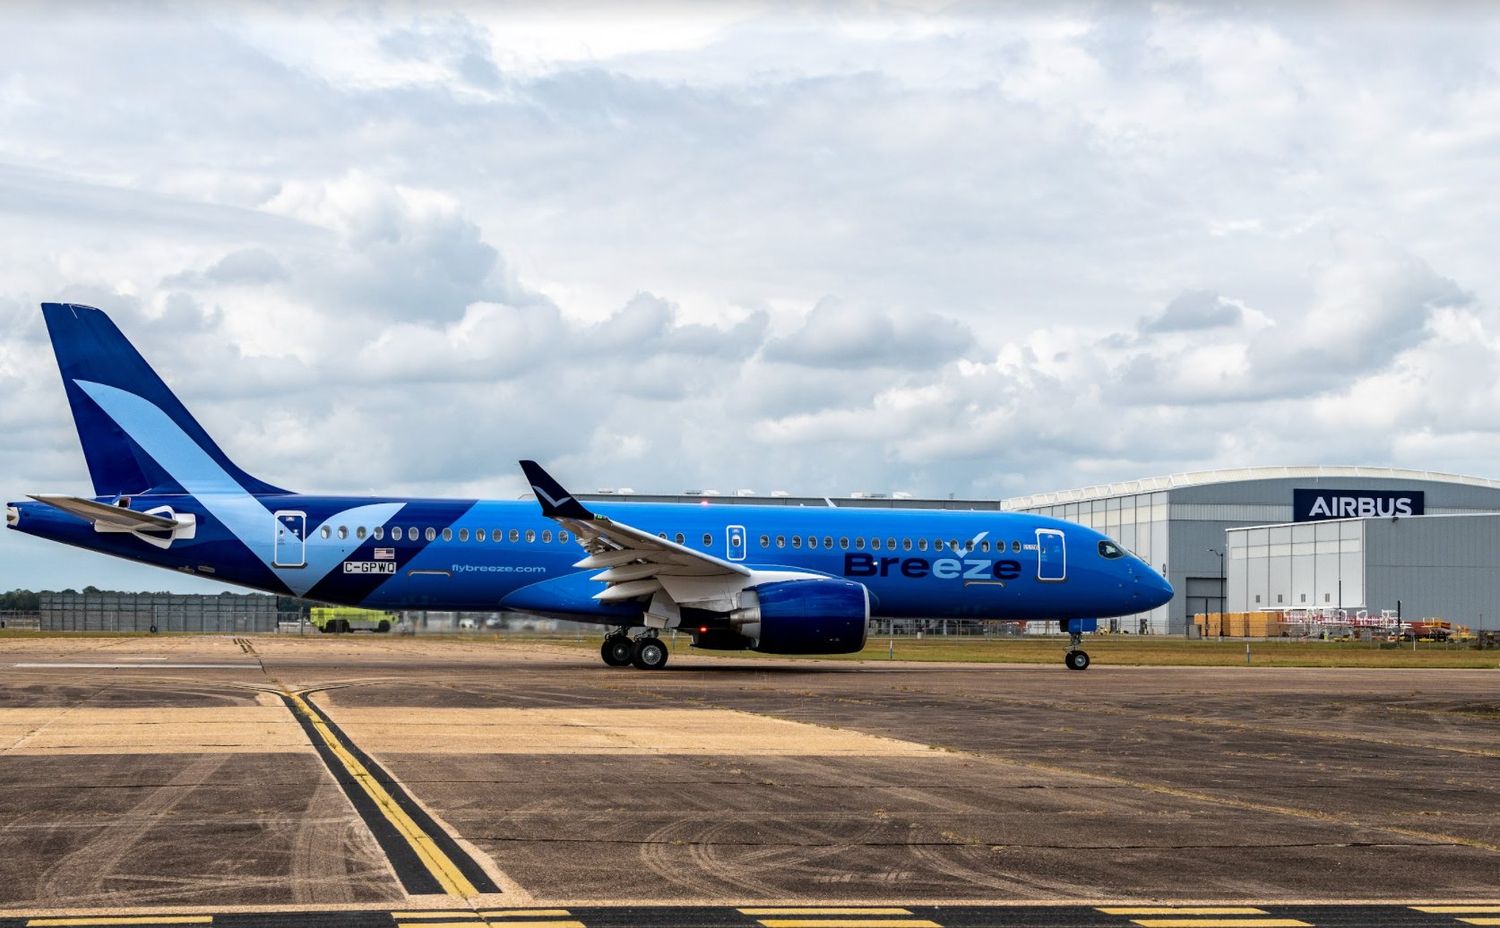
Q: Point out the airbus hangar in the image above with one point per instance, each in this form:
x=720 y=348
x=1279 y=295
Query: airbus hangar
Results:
x=1270 y=538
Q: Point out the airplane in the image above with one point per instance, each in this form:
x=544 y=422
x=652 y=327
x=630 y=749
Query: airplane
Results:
x=771 y=579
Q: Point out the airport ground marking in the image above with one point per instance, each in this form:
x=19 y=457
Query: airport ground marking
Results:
x=523 y=913
x=824 y=910
x=73 y=922
x=440 y=865
x=1458 y=909
x=1183 y=910
x=848 y=922
x=1220 y=923
x=467 y=924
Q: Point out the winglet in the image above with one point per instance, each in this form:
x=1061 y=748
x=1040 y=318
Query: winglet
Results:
x=557 y=503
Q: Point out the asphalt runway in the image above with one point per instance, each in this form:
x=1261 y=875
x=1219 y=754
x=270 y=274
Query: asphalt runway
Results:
x=364 y=780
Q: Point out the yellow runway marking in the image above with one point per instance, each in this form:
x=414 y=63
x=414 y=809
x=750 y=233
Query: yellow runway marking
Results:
x=442 y=925
x=442 y=867
x=823 y=910
x=524 y=913
x=435 y=913
x=848 y=923
x=1458 y=909
x=1220 y=923
x=1183 y=910
x=121 y=920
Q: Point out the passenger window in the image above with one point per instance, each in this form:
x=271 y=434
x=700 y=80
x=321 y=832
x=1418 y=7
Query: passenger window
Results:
x=921 y=544
x=463 y=534
x=677 y=538
x=708 y=540
x=498 y=535
x=890 y=544
x=396 y=533
x=479 y=534
x=547 y=536
x=796 y=541
x=875 y=544
x=765 y=541
x=562 y=537
x=662 y=535
x=1015 y=547
x=906 y=544
x=781 y=541
x=844 y=542
x=828 y=541
x=1109 y=550
x=324 y=532
x=515 y=535
x=359 y=532
x=447 y=534
x=530 y=535
x=431 y=533
x=343 y=532
x=378 y=532
x=812 y=541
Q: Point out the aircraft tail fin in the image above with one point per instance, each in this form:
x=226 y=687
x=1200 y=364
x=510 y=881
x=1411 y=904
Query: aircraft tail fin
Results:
x=136 y=435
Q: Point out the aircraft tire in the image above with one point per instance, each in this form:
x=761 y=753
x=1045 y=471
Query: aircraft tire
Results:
x=650 y=654
x=1077 y=660
x=617 y=651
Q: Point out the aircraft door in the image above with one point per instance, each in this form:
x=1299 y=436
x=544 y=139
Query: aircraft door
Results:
x=291 y=539
x=1051 y=555
x=734 y=542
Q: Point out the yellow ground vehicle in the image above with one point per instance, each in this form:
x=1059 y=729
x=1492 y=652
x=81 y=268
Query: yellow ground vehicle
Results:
x=338 y=619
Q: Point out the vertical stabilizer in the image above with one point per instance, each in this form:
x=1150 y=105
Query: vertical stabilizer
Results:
x=135 y=433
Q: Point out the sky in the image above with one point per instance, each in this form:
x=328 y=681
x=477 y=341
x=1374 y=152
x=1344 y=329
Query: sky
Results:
x=974 y=249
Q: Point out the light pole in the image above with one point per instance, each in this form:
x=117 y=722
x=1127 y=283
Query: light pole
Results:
x=1223 y=599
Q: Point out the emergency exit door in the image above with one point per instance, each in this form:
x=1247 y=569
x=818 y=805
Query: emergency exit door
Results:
x=291 y=539
x=1051 y=555
x=734 y=542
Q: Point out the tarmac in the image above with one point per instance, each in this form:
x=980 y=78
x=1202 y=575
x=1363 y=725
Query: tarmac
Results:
x=384 y=781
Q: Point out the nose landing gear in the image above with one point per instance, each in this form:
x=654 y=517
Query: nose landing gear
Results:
x=1076 y=658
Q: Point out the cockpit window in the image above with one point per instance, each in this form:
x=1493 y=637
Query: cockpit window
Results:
x=1109 y=550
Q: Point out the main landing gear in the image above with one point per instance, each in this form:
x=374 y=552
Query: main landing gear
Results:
x=648 y=652
x=1076 y=658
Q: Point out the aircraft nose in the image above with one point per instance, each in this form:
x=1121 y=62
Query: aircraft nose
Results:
x=1159 y=590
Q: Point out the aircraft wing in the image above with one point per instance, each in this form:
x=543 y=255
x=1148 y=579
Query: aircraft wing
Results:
x=107 y=516
x=634 y=563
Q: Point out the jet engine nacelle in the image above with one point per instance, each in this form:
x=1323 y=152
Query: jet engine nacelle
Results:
x=822 y=616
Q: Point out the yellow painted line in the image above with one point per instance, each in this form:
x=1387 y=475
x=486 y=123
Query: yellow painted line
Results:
x=1220 y=923
x=524 y=913
x=1183 y=910
x=848 y=923
x=442 y=925
x=824 y=910
x=1481 y=921
x=435 y=913
x=1458 y=909
x=122 y=920
x=544 y=923
x=439 y=864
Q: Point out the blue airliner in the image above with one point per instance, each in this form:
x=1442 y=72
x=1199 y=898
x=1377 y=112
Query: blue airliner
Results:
x=775 y=579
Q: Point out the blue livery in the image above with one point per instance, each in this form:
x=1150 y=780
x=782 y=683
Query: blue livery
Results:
x=776 y=579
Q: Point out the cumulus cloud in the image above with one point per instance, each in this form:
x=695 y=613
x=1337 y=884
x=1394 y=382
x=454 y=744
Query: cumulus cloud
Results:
x=991 y=251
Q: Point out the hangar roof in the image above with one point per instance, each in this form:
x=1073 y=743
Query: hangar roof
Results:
x=1237 y=475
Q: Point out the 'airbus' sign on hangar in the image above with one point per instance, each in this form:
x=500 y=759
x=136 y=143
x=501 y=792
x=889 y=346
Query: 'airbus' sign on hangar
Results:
x=1316 y=505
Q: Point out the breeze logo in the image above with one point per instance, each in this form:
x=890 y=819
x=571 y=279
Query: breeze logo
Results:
x=1316 y=505
x=943 y=568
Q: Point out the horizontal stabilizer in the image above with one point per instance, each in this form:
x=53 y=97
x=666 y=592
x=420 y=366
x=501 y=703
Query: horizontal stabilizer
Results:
x=105 y=515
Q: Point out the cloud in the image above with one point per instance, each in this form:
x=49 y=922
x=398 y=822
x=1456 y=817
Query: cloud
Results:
x=986 y=251
x=838 y=335
x=1193 y=311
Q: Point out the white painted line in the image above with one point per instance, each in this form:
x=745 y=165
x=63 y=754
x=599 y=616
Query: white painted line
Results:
x=140 y=666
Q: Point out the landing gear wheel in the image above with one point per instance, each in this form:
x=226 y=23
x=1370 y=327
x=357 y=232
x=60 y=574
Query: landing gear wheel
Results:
x=650 y=654
x=617 y=650
x=1077 y=660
